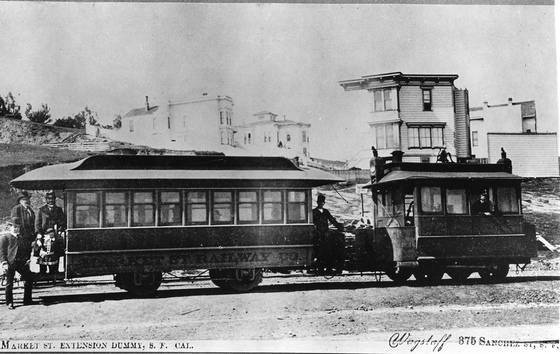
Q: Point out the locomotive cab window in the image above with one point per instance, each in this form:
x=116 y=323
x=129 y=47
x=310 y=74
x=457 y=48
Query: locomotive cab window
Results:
x=456 y=201
x=431 y=200
x=297 y=206
x=508 y=202
x=86 y=209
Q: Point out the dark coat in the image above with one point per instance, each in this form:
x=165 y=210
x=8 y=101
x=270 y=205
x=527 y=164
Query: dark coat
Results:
x=321 y=221
x=47 y=218
x=12 y=248
x=27 y=230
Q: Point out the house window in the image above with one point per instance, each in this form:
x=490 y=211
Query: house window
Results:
x=474 y=138
x=131 y=126
x=427 y=99
x=223 y=138
x=249 y=138
x=288 y=137
x=168 y=122
x=425 y=136
x=384 y=100
x=303 y=136
x=305 y=152
x=388 y=100
x=153 y=123
x=221 y=117
x=378 y=100
x=385 y=136
x=184 y=121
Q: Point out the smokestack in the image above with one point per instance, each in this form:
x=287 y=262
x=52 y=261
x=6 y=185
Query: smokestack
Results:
x=147 y=104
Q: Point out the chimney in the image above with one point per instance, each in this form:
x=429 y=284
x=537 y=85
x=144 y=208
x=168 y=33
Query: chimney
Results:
x=147 y=104
x=510 y=101
x=485 y=103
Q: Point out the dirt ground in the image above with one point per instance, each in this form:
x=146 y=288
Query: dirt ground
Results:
x=295 y=308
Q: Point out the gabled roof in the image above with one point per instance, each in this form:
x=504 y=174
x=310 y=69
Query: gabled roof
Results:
x=141 y=111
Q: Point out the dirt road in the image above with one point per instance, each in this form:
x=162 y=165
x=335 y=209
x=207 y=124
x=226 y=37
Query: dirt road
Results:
x=296 y=310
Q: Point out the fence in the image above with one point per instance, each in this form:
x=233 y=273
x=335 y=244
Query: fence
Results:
x=101 y=146
x=358 y=176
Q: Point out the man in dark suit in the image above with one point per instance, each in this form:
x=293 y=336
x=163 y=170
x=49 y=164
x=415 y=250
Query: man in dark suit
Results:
x=324 y=243
x=50 y=216
x=26 y=215
x=15 y=257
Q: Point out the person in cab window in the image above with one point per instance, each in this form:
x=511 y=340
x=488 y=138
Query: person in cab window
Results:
x=482 y=206
x=324 y=242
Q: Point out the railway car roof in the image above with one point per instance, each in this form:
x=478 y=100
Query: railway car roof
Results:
x=133 y=171
x=451 y=172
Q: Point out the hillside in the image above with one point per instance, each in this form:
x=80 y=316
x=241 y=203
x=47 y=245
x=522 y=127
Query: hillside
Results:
x=15 y=131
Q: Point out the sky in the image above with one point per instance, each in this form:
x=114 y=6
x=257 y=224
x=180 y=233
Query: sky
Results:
x=283 y=58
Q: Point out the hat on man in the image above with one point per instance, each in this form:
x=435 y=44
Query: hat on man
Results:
x=49 y=230
x=50 y=194
x=23 y=195
x=15 y=221
x=320 y=198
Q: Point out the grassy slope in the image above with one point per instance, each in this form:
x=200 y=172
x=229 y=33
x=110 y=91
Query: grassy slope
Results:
x=24 y=154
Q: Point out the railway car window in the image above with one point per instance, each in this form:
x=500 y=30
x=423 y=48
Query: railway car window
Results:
x=86 y=210
x=143 y=209
x=170 y=208
x=507 y=200
x=272 y=207
x=297 y=206
x=197 y=208
x=222 y=208
x=431 y=200
x=457 y=201
x=248 y=207
x=114 y=214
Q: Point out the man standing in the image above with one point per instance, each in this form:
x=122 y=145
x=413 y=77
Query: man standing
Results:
x=25 y=214
x=50 y=216
x=14 y=257
x=324 y=245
